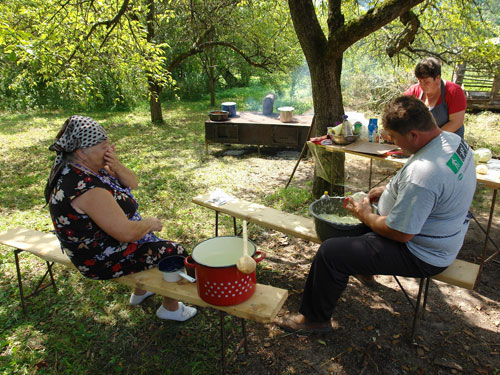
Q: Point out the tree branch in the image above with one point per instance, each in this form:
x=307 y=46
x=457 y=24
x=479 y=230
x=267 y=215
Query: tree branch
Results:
x=108 y=24
x=203 y=46
x=307 y=27
x=374 y=19
x=412 y=23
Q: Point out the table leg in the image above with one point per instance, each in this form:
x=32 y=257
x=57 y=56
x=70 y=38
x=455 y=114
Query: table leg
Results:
x=370 y=175
x=488 y=228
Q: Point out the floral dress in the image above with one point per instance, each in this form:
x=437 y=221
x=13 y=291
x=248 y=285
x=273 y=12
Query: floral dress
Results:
x=96 y=254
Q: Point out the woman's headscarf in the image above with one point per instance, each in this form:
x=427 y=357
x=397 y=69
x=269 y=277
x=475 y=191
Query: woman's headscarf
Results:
x=77 y=132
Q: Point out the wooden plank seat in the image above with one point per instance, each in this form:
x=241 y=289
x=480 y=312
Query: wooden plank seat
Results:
x=261 y=307
x=459 y=273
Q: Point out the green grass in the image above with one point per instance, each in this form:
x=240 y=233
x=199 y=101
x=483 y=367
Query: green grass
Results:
x=88 y=327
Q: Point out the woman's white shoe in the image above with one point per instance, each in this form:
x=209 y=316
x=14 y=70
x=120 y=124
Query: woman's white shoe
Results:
x=182 y=314
x=137 y=300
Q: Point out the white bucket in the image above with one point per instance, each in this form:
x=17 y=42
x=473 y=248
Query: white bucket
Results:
x=286 y=114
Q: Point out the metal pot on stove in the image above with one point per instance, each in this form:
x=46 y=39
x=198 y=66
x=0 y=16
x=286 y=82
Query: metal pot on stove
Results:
x=218 y=280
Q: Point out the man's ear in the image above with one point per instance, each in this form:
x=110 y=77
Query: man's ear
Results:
x=414 y=134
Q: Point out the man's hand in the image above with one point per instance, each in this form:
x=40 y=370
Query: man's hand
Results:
x=361 y=209
x=375 y=193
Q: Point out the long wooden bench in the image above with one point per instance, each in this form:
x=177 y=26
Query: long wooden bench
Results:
x=261 y=307
x=459 y=273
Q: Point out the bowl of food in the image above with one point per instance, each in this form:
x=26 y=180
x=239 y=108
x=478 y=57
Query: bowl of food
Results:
x=219 y=115
x=344 y=139
x=331 y=219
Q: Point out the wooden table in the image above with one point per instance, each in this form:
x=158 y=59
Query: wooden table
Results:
x=491 y=180
x=256 y=129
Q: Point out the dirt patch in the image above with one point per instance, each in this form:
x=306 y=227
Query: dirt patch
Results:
x=372 y=325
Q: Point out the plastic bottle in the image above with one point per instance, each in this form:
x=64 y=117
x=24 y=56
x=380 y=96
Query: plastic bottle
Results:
x=357 y=127
x=347 y=126
x=325 y=195
x=372 y=130
x=364 y=133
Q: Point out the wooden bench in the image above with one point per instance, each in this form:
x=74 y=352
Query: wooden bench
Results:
x=459 y=273
x=262 y=307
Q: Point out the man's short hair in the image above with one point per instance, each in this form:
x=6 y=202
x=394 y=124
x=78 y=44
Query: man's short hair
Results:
x=407 y=113
x=428 y=67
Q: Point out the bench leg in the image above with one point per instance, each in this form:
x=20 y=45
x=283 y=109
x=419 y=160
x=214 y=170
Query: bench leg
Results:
x=244 y=332
x=19 y=280
x=216 y=223
x=243 y=341
x=235 y=228
x=417 y=305
x=39 y=287
x=222 y=347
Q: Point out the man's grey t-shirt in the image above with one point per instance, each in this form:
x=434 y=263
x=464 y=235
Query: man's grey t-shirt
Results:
x=430 y=198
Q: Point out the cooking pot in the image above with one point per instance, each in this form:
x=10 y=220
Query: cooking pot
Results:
x=219 y=281
x=230 y=107
x=219 y=115
x=331 y=219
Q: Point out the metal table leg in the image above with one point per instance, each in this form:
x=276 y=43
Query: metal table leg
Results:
x=488 y=228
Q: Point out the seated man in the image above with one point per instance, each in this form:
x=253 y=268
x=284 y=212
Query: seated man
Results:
x=422 y=217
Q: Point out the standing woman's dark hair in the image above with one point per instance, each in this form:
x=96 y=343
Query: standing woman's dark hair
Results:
x=428 y=67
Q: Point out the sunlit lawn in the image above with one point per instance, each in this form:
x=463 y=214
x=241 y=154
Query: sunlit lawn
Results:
x=88 y=327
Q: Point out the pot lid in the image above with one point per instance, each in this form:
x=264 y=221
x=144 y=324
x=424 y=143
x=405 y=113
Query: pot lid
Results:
x=221 y=251
x=285 y=109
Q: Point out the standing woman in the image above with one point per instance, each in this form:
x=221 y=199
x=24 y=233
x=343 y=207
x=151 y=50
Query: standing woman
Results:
x=445 y=99
x=95 y=214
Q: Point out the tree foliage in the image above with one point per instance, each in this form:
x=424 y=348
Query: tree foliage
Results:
x=90 y=51
x=85 y=50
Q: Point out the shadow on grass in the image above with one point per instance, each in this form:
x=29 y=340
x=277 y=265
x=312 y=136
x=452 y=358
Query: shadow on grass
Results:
x=93 y=328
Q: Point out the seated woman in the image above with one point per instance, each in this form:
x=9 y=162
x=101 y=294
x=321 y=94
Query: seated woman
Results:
x=95 y=215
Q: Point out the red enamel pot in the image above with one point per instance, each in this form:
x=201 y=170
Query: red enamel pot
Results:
x=218 y=280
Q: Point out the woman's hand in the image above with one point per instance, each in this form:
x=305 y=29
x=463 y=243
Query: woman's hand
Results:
x=154 y=222
x=126 y=177
x=111 y=159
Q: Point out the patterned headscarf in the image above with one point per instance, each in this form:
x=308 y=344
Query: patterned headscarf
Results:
x=77 y=132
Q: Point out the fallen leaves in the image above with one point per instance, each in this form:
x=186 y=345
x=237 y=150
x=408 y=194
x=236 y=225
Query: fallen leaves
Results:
x=448 y=364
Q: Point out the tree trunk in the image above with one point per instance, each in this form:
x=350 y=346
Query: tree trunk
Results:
x=211 y=82
x=153 y=86
x=328 y=108
x=324 y=58
x=154 y=103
